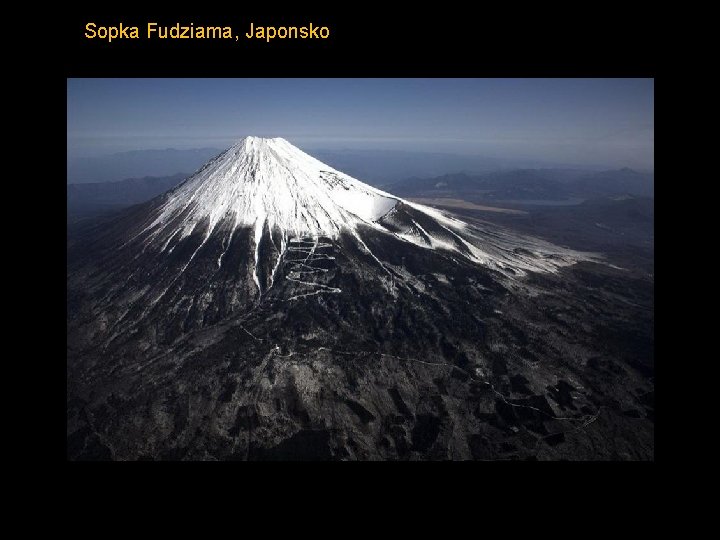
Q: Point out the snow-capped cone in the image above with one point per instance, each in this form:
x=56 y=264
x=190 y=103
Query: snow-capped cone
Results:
x=271 y=307
x=284 y=195
x=258 y=180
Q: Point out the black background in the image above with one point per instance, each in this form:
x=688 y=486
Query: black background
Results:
x=509 y=40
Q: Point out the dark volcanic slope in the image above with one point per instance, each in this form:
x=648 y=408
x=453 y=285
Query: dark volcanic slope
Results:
x=355 y=346
x=450 y=365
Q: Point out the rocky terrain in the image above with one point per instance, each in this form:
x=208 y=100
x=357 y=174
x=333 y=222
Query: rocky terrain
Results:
x=325 y=330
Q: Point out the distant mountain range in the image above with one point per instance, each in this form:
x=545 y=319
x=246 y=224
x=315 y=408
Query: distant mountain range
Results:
x=624 y=181
x=375 y=167
x=93 y=198
x=136 y=164
x=529 y=184
x=518 y=185
x=382 y=167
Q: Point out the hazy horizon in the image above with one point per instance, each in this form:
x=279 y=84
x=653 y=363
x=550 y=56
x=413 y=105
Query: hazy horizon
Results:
x=348 y=149
x=583 y=122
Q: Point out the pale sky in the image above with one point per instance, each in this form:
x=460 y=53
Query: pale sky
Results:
x=580 y=121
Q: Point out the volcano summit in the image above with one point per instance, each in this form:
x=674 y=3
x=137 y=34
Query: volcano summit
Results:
x=280 y=192
x=272 y=307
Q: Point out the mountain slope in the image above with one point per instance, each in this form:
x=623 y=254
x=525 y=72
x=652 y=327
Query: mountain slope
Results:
x=271 y=307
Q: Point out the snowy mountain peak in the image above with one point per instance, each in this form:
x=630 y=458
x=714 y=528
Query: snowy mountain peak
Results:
x=251 y=143
x=260 y=180
x=261 y=145
x=281 y=193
